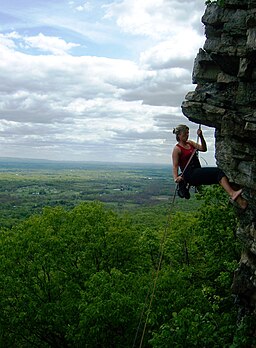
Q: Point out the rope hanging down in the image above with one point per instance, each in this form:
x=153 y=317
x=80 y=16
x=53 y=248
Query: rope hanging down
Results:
x=161 y=252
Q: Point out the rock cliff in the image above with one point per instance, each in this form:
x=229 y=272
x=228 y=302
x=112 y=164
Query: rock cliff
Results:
x=225 y=98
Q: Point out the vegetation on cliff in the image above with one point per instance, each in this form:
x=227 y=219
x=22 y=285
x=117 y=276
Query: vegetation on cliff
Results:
x=218 y=2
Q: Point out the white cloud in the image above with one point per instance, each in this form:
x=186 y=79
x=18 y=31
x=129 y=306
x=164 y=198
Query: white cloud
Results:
x=86 y=6
x=154 y=18
x=119 y=104
x=7 y=40
x=51 y=44
x=137 y=17
x=174 y=52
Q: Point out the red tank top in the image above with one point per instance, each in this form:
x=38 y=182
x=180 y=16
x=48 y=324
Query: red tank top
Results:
x=184 y=156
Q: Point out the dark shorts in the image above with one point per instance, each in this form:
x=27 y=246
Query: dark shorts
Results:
x=203 y=176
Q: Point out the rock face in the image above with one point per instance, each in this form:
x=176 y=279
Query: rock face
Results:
x=225 y=98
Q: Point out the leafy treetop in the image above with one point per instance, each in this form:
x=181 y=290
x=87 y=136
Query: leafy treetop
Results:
x=218 y=2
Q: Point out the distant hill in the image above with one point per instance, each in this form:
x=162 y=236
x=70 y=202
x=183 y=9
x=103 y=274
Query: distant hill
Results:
x=10 y=163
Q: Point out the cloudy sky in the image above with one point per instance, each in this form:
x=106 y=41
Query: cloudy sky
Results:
x=97 y=80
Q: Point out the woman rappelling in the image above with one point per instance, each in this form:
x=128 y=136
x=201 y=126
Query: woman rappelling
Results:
x=184 y=157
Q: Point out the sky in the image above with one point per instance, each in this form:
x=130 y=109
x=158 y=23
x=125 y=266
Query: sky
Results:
x=97 y=80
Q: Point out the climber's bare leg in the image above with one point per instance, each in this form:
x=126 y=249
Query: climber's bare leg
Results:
x=234 y=195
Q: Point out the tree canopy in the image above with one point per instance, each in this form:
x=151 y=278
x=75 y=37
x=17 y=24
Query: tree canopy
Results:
x=82 y=278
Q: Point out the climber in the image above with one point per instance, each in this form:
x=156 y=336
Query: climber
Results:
x=192 y=173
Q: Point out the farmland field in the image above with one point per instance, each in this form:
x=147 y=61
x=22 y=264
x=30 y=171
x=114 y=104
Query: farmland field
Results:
x=26 y=186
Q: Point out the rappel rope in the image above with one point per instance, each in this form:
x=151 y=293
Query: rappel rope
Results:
x=161 y=252
x=155 y=280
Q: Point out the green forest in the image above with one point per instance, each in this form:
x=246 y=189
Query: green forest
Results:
x=102 y=256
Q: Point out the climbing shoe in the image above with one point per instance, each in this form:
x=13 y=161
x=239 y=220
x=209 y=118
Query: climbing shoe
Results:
x=183 y=190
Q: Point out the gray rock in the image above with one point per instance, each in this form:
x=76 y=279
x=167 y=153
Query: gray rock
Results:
x=225 y=98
